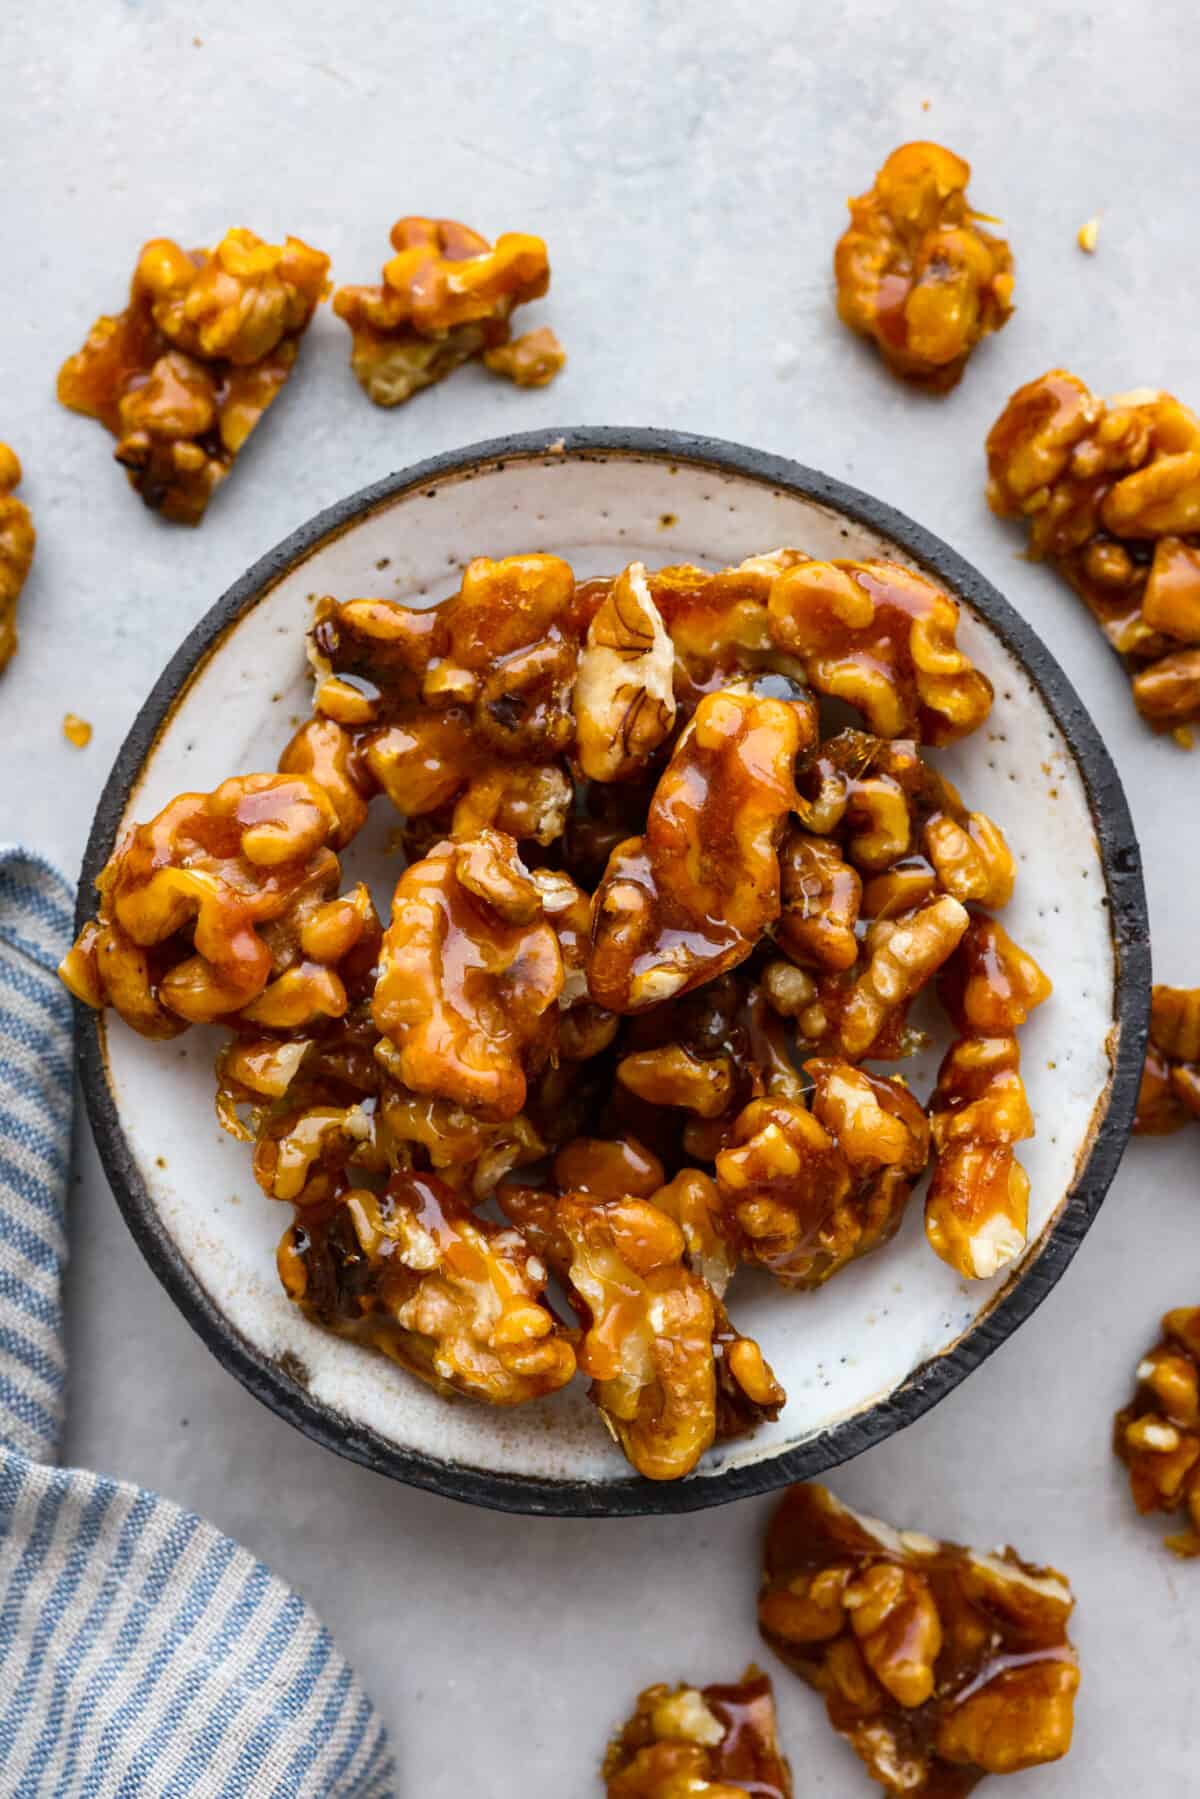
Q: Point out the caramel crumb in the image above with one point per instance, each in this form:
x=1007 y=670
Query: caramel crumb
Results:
x=76 y=730
x=1088 y=235
x=667 y=520
x=925 y=106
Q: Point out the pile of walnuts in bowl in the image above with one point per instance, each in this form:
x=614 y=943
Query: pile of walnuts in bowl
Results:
x=652 y=926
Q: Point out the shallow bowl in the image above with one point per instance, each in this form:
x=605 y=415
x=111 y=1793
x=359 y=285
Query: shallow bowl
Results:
x=894 y=1333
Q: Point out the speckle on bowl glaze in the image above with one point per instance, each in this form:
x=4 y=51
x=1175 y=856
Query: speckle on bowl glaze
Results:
x=890 y=1335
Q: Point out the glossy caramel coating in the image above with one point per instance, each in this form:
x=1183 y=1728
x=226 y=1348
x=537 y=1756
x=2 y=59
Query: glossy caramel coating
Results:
x=445 y=297
x=689 y=899
x=468 y=977
x=223 y=907
x=804 y=1191
x=884 y=639
x=990 y=984
x=1111 y=490
x=17 y=540
x=916 y=272
x=183 y=375
x=649 y=1331
x=714 y=1742
x=977 y=1203
x=938 y=1664
x=412 y=1271
x=1169 y=1096
x=1157 y=1435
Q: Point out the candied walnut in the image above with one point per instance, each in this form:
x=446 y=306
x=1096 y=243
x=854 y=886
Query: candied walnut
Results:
x=990 y=985
x=1170 y=1090
x=624 y=694
x=649 y=1329
x=807 y=1192
x=461 y=1147
x=532 y=360
x=1157 y=1435
x=977 y=1205
x=1111 y=490
x=821 y=894
x=446 y=296
x=183 y=375
x=715 y=1742
x=326 y=753
x=17 y=539
x=303 y=1156
x=690 y=898
x=915 y=271
x=719 y=624
x=938 y=1664
x=672 y=1076
x=218 y=907
x=865 y=1012
x=469 y=976
x=900 y=818
x=450 y=1296
x=884 y=639
x=693 y=1200
x=612 y=1167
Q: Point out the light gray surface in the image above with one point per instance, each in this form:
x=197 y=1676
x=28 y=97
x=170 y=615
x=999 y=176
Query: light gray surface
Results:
x=688 y=168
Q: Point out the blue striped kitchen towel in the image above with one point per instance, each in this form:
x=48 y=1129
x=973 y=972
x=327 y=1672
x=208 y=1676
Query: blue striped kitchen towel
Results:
x=143 y=1655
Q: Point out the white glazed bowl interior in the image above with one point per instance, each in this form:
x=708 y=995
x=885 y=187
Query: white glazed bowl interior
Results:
x=837 y=1351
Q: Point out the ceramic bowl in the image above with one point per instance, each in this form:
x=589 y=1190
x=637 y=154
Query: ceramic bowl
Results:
x=891 y=1335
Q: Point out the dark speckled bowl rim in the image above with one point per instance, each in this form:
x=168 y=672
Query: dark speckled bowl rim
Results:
x=274 y=1384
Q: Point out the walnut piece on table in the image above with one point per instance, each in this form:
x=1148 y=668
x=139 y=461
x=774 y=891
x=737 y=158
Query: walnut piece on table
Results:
x=184 y=374
x=17 y=540
x=714 y=1742
x=1169 y=1096
x=446 y=296
x=224 y=907
x=413 y=1271
x=1111 y=491
x=938 y=1664
x=1157 y=1435
x=916 y=272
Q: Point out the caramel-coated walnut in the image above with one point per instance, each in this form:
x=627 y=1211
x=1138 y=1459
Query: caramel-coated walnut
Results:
x=719 y=624
x=446 y=296
x=470 y=976
x=216 y=908
x=183 y=375
x=938 y=1664
x=17 y=539
x=624 y=694
x=990 y=985
x=865 y=1011
x=977 y=1205
x=691 y=898
x=470 y=1152
x=531 y=360
x=1111 y=490
x=1170 y=1090
x=916 y=273
x=884 y=639
x=1157 y=1435
x=649 y=1328
x=804 y=1193
x=821 y=895
x=450 y=1296
x=714 y=1742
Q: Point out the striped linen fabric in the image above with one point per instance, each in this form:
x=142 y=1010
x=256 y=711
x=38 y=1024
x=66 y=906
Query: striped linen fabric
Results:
x=143 y=1655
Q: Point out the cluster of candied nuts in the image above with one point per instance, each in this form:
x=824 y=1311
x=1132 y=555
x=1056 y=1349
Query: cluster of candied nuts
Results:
x=938 y=1664
x=916 y=273
x=650 y=928
x=715 y=1742
x=1111 y=490
x=1170 y=1092
x=1157 y=1435
x=184 y=374
x=17 y=540
x=446 y=296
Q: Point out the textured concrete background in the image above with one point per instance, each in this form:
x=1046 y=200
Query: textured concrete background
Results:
x=688 y=167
